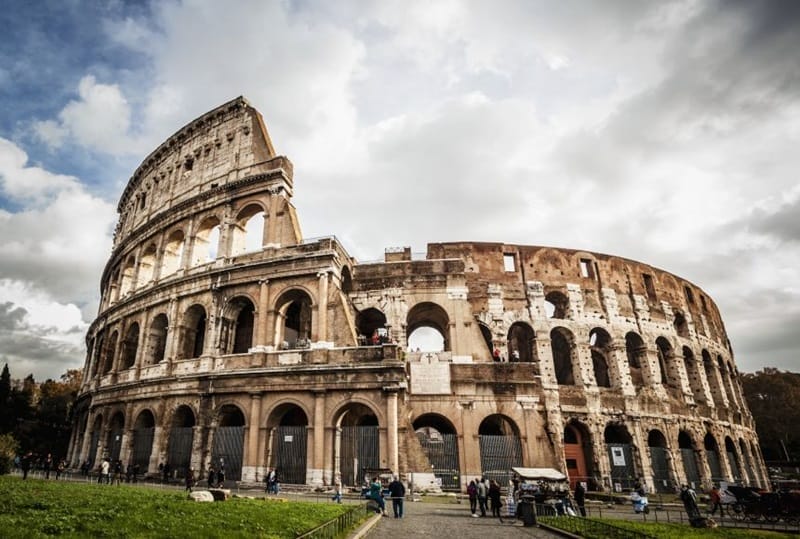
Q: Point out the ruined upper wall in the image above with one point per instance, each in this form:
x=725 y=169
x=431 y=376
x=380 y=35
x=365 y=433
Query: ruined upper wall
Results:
x=224 y=145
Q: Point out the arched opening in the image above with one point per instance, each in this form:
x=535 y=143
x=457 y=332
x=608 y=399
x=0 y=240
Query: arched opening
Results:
x=113 y=288
x=94 y=444
x=713 y=379
x=578 y=455
x=692 y=372
x=486 y=333
x=561 y=341
x=748 y=472
x=681 y=326
x=126 y=283
x=110 y=350
x=439 y=441
x=238 y=324
x=143 y=433
x=500 y=447
x=727 y=381
x=114 y=440
x=556 y=305
x=371 y=325
x=428 y=315
x=147 y=266
x=757 y=459
x=664 y=357
x=659 y=461
x=129 y=346
x=228 y=446
x=99 y=355
x=600 y=346
x=357 y=443
x=688 y=456
x=248 y=231
x=620 y=455
x=347 y=280
x=522 y=343
x=712 y=457
x=206 y=242
x=157 y=341
x=173 y=253
x=194 y=332
x=288 y=426
x=733 y=460
x=636 y=352
x=181 y=438
x=294 y=320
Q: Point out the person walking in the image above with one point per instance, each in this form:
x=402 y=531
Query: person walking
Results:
x=337 y=492
x=398 y=492
x=212 y=477
x=482 y=494
x=105 y=468
x=494 y=497
x=580 y=498
x=716 y=500
x=472 y=493
x=25 y=464
x=375 y=493
x=48 y=465
x=189 y=479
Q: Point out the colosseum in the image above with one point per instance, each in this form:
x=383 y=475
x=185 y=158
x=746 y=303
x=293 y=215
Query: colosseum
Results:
x=225 y=338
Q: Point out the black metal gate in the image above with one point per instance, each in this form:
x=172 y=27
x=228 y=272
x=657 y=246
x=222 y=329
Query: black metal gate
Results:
x=498 y=455
x=179 y=454
x=359 y=449
x=289 y=445
x=737 y=474
x=713 y=463
x=228 y=450
x=659 y=463
x=142 y=447
x=442 y=453
x=114 y=445
x=93 y=446
x=690 y=467
x=620 y=457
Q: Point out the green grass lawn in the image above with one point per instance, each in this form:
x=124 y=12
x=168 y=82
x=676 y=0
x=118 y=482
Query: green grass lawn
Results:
x=658 y=529
x=36 y=508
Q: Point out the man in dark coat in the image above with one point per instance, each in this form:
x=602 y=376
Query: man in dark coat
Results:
x=398 y=492
x=580 y=498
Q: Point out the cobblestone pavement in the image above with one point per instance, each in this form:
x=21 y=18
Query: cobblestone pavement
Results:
x=450 y=521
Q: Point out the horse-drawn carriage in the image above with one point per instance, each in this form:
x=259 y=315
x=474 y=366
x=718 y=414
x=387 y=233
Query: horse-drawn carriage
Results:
x=754 y=504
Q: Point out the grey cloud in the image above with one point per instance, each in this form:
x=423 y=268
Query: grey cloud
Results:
x=11 y=318
x=784 y=223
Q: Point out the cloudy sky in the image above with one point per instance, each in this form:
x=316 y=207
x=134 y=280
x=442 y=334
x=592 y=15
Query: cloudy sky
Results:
x=667 y=132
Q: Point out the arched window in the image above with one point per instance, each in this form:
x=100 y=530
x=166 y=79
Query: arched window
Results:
x=693 y=374
x=194 y=332
x=128 y=269
x=99 y=355
x=522 y=343
x=486 y=333
x=248 y=231
x=688 y=456
x=371 y=325
x=712 y=376
x=681 y=326
x=620 y=452
x=664 y=357
x=636 y=352
x=556 y=305
x=600 y=344
x=293 y=325
x=240 y=321
x=206 y=242
x=147 y=266
x=114 y=439
x=428 y=327
x=712 y=456
x=578 y=455
x=157 y=339
x=111 y=348
x=173 y=253
x=562 y=345
x=129 y=346
x=659 y=460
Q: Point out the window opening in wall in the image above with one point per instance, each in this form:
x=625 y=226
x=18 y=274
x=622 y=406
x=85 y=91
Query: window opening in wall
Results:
x=587 y=269
x=508 y=262
x=703 y=302
x=425 y=339
x=649 y=286
x=142 y=201
x=689 y=295
x=189 y=164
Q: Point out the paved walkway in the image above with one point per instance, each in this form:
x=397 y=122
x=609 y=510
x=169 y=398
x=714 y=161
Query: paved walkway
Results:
x=449 y=521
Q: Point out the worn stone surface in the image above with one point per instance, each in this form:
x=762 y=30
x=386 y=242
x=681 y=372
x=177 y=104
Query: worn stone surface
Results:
x=225 y=338
x=201 y=496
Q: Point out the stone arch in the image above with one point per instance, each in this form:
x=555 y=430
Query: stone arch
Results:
x=556 y=305
x=228 y=447
x=439 y=440
x=429 y=315
x=294 y=320
x=486 y=333
x=113 y=286
x=288 y=444
x=681 y=325
x=181 y=438
x=357 y=439
x=636 y=352
x=193 y=332
x=172 y=259
x=665 y=356
x=143 y=433
x=127 y=275
x=713 y=380
x=346 y=280
x=147 y=266
x=748 y=467
x=733 y=460
x=712 y=457
x=157 y=339
x=238 y=325
x=94 y=443
x=371 y=323
x=619 y=444
x=248 y=229
x=206 y=241
x=578 y=454
x=659 y=461
x=99 y=354
x=500 y=447
x=693 y=374
x=130 y=345
x=686 y=446
x=110 y=351
x=601 y=345
x=563 y=347
x=116 y=428
x=522 y=340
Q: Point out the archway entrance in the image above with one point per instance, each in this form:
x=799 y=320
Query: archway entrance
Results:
x=659 y=461
x=181 y=437
x=688 y=457
x=439 y=441
x=143 y=431
x=288 y=428
x=357 y=444
x=114 y=440
x=577 y=454
x=500 y=447
x=620 y=456
x=229 y=443
x=94 y=445
x=712 y=457
x=733 y=462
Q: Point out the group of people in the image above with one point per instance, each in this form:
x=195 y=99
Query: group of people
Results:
x=397 y=493
x=480 y=492
x=47 y=464
x=272 y=485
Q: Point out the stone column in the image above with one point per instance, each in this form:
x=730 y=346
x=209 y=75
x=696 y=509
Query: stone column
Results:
x=172 y=331
x=322 y=310
x=261 y=320
x=159 y=448
x=250 y=461
x=318 y=449
x=391 y=428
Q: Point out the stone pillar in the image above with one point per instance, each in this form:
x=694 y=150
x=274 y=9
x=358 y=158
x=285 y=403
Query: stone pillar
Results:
x=315 y=473
x=261 y=320
x=159 y=449
x=322 y=311
x=172 y=331
x=272 y=240
x=251 y=465
x=87 y=438
x=391 y=428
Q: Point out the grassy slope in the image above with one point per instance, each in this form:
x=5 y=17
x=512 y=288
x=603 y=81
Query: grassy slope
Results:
x=34 y=508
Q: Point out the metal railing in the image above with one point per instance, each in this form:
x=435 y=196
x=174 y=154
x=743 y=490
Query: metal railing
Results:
x=586 y=527
x=335 y=527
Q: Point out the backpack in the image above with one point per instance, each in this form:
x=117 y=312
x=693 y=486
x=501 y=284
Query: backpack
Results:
x=472 y=491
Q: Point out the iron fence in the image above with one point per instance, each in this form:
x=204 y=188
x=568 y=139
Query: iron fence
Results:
x=335 y=527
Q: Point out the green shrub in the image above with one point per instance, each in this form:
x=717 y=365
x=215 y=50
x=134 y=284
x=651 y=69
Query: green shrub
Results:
x=8 y=450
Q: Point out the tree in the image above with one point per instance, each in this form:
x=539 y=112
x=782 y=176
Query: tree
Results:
x=772 y=396
x=8 y=450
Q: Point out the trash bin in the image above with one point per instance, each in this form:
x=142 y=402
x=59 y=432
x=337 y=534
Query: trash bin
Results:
x=526 y=510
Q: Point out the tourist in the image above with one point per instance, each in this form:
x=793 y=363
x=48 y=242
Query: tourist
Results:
x=272 y=480
x=375 y=493
x=716 y=500
x=105 y=467
x=48 y=464
x=118 y=472
x=337 y=492
x=221 y=476
x=689 y=499
x=212 y=477
x=398 y=492
x=166 y=471
x=472 y=493
x=494 y=497
x=189 y=479
x=580 y=498
x=25 y=464
x=482 y=494
x=60 y=467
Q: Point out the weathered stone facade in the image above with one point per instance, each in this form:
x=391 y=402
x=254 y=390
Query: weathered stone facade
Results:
x=224 y=337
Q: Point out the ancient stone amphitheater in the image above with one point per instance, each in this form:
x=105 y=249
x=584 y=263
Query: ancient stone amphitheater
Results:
x=224 y=338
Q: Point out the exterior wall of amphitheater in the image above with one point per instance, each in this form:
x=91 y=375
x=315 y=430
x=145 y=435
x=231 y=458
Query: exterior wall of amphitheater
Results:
x=225 y=338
